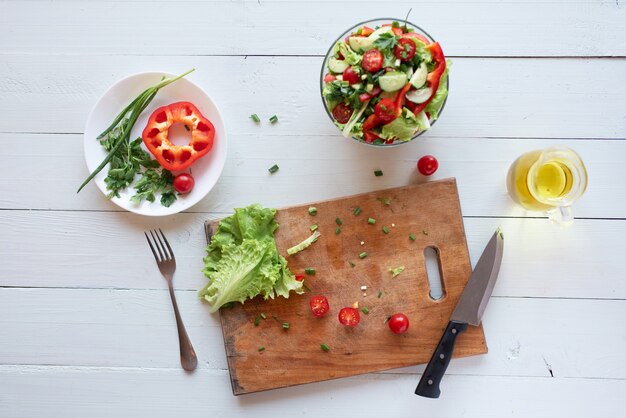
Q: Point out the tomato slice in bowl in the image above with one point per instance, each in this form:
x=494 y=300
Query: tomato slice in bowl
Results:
x=342 y=112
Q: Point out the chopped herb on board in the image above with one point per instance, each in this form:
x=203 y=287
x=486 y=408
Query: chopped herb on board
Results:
x=324 y=347
x=273 y=169
x=312 y=211
x=385 y=230
x=363 y=255
x=380 y=295
x=310 y=271
x=365 y=310
x=313 y=227
x=261 y=348
x=257 y=321
x=385 y=200
x=337 y=231
x=395 y=272
x=338 y=221
x=263 y=316
x=412 y=236
x=371 y=221
x=357 y=210
x=274 y=119
x=255 y=118
x=285 y=325
x=378 y=173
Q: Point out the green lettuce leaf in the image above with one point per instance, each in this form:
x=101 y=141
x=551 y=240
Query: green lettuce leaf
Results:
x=242 y=260
x=434 y=106
x=405 y=126
x=349 y=55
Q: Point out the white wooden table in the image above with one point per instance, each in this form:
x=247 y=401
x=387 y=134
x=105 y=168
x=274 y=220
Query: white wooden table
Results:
x=86 y=326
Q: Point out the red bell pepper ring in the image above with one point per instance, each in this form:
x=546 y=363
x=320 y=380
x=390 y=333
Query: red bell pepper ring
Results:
x=178 y=157
x=400 y=98
x=434 y=77
x=371 y=122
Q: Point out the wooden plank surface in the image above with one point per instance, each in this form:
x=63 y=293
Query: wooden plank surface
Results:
x=431 y=212
x=489 y=97
x=491 y=28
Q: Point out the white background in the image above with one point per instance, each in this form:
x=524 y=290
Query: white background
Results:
x=86 y=326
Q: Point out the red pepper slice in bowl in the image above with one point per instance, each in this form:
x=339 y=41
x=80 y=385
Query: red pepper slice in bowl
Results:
x=178 y=157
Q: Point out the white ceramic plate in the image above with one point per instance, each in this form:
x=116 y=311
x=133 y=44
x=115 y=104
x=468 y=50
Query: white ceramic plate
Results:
x=205 y=171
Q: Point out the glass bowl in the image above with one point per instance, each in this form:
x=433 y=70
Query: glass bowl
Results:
x=373 y=23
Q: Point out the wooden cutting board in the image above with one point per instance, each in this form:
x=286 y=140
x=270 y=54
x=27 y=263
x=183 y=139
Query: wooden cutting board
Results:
x=293 y=356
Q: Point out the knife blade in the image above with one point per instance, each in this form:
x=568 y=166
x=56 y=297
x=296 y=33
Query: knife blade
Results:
x=468 y=311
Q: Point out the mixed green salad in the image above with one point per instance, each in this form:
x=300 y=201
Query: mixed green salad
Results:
x=385 y=84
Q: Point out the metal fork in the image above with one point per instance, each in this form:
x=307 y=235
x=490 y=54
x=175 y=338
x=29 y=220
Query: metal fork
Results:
x=164 y=257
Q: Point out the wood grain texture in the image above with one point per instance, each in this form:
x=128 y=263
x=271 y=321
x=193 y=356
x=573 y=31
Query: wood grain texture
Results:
x=136 y=329
x=307 y=173
x=470 y=28
x=290 y=357
x=489 y=97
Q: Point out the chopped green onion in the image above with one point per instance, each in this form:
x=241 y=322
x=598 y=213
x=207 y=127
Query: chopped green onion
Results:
x=380 y=294
x=310 y=271
x=378 y=173
x=312 y=211
x=363 y=255
x=255 y=118
x=365 y=310
x=324 y=347
x=395 y=272
x=412 y=236
x=357 y=210
x=285 y=325
x=371 y=221
x=274 y=119
x=337 y=231
x=263 y=315
x=385 y=230
x=261 y=348
x=257 y=321
x=338 y=222
x=314 y=227
x=351 y=264
x=385 y=200
x=273 y=169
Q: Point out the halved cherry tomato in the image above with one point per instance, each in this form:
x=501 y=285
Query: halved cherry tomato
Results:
x=417 y=36
x=329 y=78
x=349 y=317
x=319 y=306
x=183 y=183
x=372 y=60
x=299 y=277
x=398 y=323
x=342 y=112
x=427 y=165
x=366 y=31
x=385 y=111
x=351 y=76
x=369 y=136
x=396 y=31
x=370 y=122
x=405 y=49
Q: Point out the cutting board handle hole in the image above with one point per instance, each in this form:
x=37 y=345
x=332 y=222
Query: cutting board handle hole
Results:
x=433 y=273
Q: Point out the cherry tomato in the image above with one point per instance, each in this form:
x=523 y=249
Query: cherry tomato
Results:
x=319 y=306
x=385 y=110
x=329 y=77
x=372 y=60
x=366 y=31
x=405 y=49
x=427 y=165
x=417 y=36
x=183 y=183
x=369 y=136
x=349 y=317
x=351 y=76
x=398 y=323
x=342 y=112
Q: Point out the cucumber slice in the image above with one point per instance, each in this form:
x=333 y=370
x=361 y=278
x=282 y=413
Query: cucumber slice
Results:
x=366 y=43
x=419 y=96
x=337 y=66
x=392 y=81
x=418 y=79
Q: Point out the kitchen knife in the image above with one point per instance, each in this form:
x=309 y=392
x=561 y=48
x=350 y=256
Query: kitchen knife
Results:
x=468 y=311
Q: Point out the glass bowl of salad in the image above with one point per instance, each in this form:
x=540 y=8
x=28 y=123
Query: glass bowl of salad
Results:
x=384 y=82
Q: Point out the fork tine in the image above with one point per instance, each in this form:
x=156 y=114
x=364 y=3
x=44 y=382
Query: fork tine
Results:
x=168 y=244
x=166 y=256
x=156 y=244
x=156 y=257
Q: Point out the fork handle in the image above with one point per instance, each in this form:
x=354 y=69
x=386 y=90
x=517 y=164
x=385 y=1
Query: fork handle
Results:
x=188 y=358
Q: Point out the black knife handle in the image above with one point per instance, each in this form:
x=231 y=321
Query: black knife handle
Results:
x=428 y=385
